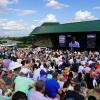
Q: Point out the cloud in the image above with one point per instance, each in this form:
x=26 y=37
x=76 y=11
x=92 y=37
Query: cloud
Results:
x=14 y=28
x=11 y=25
x=49 y=18
x=97 y=8
x=26 y=12
x=55 y=4
x=5 y=3
x=83 y=16
x=22 y=12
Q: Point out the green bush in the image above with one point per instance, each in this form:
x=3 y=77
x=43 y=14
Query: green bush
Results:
x=20 y=45
x=1 y=42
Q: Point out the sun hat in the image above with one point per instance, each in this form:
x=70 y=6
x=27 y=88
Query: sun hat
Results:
x=14 y=65
x=6 y=63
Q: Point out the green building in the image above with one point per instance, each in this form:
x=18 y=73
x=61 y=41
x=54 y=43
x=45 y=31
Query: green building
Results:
x=59 y=35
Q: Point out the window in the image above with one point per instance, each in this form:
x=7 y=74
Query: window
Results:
x=91 y=41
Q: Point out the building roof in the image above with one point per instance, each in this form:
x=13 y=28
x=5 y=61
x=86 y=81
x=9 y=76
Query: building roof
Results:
x=51 y=28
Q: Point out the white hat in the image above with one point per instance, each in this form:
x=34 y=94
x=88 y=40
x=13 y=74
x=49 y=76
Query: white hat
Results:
x=14 y=65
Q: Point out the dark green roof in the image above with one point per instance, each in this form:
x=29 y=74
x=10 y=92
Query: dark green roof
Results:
x=86 y=26
x=50 y=23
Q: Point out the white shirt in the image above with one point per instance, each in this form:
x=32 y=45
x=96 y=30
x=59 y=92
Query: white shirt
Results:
x=61 y=83
x=80 y=70
x=75 y=44
x=25 y=70
x=42 y=68
x=78 y=60
x=70 y=88
x=36 y=74
x=94 y=83
x=56 y=60
x=90 y=62
x=60 y=60
x=87 y=69
x=0 y=92
x=71 y=61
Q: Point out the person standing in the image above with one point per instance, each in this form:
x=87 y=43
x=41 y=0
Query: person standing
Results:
x=74 y=43
x=38 y=93
x=53 y=87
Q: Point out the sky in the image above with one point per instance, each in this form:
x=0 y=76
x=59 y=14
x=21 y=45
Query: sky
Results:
x=20 y=17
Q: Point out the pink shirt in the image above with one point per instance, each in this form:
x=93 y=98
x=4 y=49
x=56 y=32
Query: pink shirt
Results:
x=35 y=95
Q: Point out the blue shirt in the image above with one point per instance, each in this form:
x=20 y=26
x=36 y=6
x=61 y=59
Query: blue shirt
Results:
x=42 y=78
x=52 y=87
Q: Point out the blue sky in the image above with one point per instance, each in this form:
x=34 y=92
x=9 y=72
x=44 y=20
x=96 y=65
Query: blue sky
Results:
x=20 y=17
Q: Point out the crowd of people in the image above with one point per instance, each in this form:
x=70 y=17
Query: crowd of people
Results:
x=47 y=74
